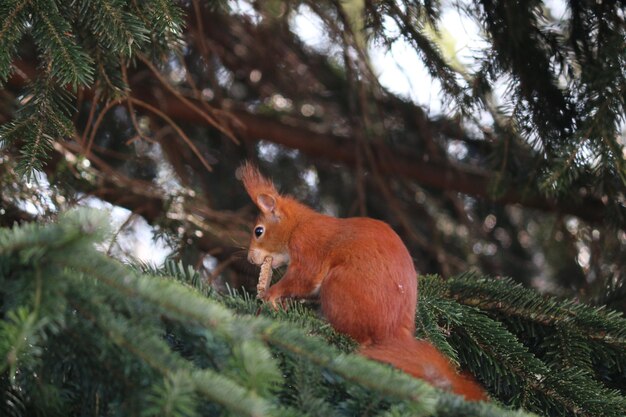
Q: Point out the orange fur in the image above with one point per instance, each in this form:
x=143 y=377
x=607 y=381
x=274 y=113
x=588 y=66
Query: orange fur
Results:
x=422 y=360
x=363 y=274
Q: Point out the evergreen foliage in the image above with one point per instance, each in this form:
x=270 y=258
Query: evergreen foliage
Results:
x=151 y=105
x=44 y=117
x=556 y=371
x=536 y=117
x=79 y=44
x=81 y=333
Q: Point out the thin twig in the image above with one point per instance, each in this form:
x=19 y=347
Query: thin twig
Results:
x=131 y=109
x=174 y=126
x=128 y=220
x=92 y=112
x=198 y=34
x=204 y=115
x=197 y=94
x=94 y=129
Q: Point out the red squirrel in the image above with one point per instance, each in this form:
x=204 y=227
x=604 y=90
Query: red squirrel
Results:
x=361 y=271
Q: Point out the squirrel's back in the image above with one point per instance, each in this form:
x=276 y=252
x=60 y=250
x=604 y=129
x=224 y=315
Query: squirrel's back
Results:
x=370 y=287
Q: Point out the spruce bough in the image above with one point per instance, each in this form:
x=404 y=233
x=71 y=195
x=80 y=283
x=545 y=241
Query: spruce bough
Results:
x=81 y=333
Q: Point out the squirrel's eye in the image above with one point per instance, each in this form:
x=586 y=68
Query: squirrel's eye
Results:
x=258 y=231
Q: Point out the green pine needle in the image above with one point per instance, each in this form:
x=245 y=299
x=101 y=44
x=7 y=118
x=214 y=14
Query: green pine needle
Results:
x=66 y=60
x=194 y=352
x=13 y=23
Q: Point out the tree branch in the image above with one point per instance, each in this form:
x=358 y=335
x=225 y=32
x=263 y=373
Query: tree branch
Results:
x=444 y=175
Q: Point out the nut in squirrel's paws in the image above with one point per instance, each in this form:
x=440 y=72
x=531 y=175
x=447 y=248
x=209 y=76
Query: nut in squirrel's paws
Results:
x=265 y=277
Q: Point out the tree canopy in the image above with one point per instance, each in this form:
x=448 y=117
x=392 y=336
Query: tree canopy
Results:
x=519 y=173
x=516 y=168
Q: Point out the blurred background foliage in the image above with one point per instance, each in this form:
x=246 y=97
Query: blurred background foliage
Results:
x=515 y=166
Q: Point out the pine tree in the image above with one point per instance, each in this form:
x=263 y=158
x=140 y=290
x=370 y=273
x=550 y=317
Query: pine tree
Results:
x=151 y=105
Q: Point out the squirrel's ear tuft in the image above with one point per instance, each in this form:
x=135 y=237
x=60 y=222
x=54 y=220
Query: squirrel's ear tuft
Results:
x=260 y=189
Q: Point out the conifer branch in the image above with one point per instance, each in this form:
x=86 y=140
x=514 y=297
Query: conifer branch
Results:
x=495 y=352
x=11 y=30
x=54 y=36
x=153 y=351
x=511 y=299
x=349 y=367
x=122 y=31
x=99 y=289
x=185 y=305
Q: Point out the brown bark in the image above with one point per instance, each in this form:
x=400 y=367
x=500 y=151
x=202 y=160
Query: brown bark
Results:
x=444 y=175
x=401 y=163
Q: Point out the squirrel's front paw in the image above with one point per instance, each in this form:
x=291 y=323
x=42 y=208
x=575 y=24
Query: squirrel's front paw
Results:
x=274 y=300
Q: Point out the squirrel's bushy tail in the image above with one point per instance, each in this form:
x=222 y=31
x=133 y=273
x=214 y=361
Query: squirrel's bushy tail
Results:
x=422 y=360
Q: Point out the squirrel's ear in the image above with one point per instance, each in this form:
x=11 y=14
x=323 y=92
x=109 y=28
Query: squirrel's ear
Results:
x=256 y=184
x=266 y=203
